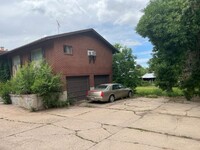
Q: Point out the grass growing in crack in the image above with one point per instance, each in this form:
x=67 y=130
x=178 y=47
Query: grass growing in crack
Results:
x=154 y=92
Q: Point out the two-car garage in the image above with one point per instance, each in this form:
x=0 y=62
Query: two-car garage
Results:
x=77 y=86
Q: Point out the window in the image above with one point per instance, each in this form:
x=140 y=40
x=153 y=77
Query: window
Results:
x=101 y=87
x=121 y=86
x=36 y=55
x=16 y=63
x=115 y=87
x=67 y=49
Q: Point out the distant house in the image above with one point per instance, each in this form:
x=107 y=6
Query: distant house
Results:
x=83 y=58
x=149 y=77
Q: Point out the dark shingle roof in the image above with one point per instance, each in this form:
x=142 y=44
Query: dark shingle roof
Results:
x=64 y=35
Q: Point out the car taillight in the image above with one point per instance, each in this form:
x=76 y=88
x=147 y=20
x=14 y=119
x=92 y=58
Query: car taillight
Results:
x=102 y=94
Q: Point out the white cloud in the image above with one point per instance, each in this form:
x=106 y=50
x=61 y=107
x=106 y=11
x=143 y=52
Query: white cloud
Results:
x=57 y=9
x=144 y=52
x=102 y=11
x=142 y=60
x=131 y=43
x=119 y=11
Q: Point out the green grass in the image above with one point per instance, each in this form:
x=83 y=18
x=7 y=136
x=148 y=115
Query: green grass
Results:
x=153 y=92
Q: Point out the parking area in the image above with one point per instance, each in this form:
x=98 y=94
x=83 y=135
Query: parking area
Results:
x=138 y=123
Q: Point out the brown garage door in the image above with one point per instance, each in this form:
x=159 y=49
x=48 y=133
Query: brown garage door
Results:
x=100 y=79
x=77 y=87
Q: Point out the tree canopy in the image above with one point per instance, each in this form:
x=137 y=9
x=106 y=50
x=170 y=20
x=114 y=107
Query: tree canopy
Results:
x=124 y=67
x=173 y=27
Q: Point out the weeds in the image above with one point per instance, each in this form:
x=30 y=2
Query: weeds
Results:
x=153 y=92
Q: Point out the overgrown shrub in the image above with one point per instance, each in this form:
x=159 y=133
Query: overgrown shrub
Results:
x=176 y=92
x=4 y=92
x=47 y=85
x=38 y=78
x=51 y=100
x=24 y=79
x=45 y=81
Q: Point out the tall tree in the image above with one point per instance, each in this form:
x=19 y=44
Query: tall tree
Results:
x=173 y=28
x=124 y=64
x=141 y=70
x=191 y=22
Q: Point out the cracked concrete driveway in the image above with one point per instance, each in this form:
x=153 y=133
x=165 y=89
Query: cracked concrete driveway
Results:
x=138 y=123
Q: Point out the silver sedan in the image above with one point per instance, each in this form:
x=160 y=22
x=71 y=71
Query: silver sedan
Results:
x=109 y=92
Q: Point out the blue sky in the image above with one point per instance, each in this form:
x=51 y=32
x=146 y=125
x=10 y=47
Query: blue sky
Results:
x=27 y=20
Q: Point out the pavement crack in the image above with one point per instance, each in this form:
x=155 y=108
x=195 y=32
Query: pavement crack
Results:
x=163 y=133
x=111 y=134
x=65 y=128
x=104 y=128
x=10 y=120
x=125 y=109
x=77 y=135
x=158 y=106
x=191 y=109
x=58 y=115
x=176 y=115
x=139 y=143
x=177 y=123
x=15 y=134
x=83 y=113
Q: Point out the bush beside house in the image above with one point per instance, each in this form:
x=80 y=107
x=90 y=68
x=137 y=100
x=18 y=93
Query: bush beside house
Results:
x=4 y=77
x=34 y=78
x=4 y=92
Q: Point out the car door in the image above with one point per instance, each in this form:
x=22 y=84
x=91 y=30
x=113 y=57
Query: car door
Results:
x=115 y=91
x=122 y=91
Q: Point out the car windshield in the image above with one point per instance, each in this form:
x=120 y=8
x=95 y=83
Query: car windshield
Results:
x=101 y=87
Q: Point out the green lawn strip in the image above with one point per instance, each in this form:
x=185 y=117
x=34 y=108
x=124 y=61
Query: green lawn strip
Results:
x=152 y=91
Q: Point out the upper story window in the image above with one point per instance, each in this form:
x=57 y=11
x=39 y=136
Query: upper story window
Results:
x=67 y=49
x=16 y=63
x=36 y=55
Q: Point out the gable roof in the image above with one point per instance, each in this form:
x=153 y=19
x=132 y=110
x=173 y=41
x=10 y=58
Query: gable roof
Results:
x=64 y=35
x=148 y=76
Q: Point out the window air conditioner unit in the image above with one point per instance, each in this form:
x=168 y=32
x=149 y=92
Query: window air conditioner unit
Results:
x=93 y=53
x=90 y=53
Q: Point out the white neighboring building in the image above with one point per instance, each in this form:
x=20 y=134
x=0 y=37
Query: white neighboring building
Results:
x=149 y=77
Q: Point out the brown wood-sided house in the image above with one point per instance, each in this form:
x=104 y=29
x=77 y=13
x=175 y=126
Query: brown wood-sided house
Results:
x=83 y=58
